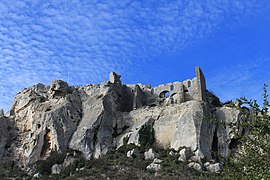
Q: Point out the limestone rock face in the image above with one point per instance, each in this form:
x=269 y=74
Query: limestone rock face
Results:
x=4 y=134
x=99 y=117
x=227 y=131
x=95 y=119
x=45 y=121
x=175 y=126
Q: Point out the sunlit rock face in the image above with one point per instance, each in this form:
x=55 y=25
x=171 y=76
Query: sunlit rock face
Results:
x=97 y=118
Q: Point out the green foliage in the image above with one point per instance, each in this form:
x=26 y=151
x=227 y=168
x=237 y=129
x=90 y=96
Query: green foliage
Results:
x=146 y=136
x=44 y=166
x=9 y=170
x=229 y=104
x=252 y=160
x=125 y=140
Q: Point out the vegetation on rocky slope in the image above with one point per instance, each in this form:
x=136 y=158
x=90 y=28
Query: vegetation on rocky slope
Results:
x=250 y=161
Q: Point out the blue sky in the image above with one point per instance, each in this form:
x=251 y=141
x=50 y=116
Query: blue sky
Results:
x=151 y=42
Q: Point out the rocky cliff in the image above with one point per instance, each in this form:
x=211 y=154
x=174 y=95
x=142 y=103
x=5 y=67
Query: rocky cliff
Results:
x=94 y=119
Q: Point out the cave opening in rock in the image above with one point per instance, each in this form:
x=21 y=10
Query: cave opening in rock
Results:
x=233 y=144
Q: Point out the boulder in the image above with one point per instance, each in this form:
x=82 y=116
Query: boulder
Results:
x=196 y=159
x=56 y=168
x=150 y=154
x=214 y=168
x=185 y=154
x=132 y=153
x=37 y=176
x=171 y=153
x=153 y=167
x=196 y=166
x=157 y=161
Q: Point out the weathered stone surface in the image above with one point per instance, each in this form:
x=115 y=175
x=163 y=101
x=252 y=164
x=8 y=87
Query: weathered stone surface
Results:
x=4 y=135
x=153 y=167
x=227 y=130
x=185 y=125
x=150 y=154
x=185 y=154
x=56 y=168
x=196 y=159
x=132 y=153
x=94 y=119
x=196 y=166
x=37 y=175
x=214 y=168
x=44 y=124
x=157 y=161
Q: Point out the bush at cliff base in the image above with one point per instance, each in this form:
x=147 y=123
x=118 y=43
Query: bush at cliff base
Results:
x=252 y=160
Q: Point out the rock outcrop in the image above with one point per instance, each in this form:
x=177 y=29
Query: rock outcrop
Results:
x=95 y=119
x=4 y=133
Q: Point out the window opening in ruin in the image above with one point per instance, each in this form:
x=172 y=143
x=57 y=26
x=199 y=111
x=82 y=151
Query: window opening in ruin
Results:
x=164 y=94
x=172 y=88
x=189 y=84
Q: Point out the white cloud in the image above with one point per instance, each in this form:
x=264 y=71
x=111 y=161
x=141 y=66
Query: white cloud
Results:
x=41 y=41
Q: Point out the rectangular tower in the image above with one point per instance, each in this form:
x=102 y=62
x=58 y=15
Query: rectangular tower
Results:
x=201 y=84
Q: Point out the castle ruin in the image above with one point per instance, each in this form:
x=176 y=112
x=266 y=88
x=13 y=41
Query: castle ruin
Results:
x=164 y=94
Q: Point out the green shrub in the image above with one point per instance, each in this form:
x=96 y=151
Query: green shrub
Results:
x=251 y=161
x=146 y=136
x=45 y=166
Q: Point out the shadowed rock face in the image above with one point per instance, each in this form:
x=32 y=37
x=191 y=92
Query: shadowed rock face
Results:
x=94 y=119
x=4 y=134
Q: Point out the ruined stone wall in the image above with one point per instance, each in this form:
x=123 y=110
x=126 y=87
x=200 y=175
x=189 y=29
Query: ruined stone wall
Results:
x=201 y=84
x=175 y=90
x=190 y=89
x=138 y=101
x=128 y=97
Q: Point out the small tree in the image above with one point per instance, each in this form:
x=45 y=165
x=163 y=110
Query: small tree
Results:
x=252 y=161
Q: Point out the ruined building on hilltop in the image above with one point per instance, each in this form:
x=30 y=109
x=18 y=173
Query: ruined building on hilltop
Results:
x=172 y=93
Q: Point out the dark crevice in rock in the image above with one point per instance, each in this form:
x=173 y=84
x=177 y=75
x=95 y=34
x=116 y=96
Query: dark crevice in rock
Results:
x=214 y=152
x=233 y=144
x=46 y=143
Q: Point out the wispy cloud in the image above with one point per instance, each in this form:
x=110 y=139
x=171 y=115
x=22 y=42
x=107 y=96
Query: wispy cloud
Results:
x=45 y=40
x=240 y=80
